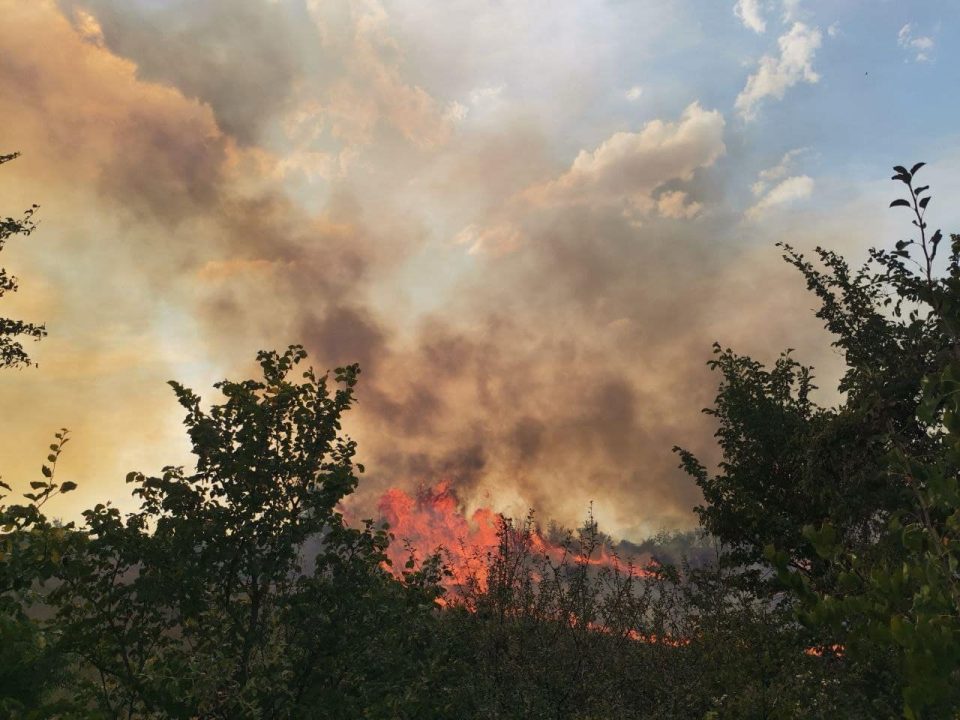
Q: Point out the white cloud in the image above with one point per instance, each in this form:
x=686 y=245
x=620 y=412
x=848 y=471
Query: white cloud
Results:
x=918 y=45
x=627 y=168
x=833 y=30
x=750 y=15
x=633 y=93
x=784 y=193
x=791 y=10
x=775 y=74
x=778 y=171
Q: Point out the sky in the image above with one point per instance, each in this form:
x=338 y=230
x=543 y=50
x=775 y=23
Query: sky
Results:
x=528 y=221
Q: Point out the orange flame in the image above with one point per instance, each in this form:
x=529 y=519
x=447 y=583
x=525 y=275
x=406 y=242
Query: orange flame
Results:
x=432 y=519
x=821 y=650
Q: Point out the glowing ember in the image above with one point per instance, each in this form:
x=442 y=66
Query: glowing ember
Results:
x=820 y=651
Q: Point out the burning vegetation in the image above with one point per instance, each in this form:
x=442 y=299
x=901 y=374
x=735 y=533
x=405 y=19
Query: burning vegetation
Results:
x=431 y=522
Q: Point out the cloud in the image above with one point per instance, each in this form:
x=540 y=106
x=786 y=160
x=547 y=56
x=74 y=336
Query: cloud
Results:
x=223 y=52
x=777 y=74
x=778 y=171
x=750 y=15
x=782 y=194
x=676 y=205
x=456 y=111
x=634 y=93
x=791 y=10
x=919 y=46
x=255 y=62
x=626 y=168
x=88 y=27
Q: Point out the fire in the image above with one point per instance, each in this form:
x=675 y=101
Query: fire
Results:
x=432 y=519
x=821 y=650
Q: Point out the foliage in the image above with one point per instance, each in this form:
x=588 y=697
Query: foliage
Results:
x=12 y=353
x=906 y=599
x=207 y=602
x=31 y=548
x=787 y=462
x=569 y=636
x=856 y=505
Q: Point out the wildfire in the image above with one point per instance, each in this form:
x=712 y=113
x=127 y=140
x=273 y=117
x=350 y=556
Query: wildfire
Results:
x=822 y=650
x=432 y=519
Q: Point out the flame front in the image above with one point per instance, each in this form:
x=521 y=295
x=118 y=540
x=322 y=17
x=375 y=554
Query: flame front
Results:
x=432 y=519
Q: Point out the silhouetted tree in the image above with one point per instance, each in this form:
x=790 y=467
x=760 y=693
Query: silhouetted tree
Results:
x=12 y=353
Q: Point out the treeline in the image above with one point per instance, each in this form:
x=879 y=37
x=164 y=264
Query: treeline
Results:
x=237 y=590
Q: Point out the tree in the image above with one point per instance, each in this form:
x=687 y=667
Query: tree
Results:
x=237 y=590
x=30 y=545
x=856 y=505
x=787 y=462
x=12 y=353
x=31 y=548
x=906 y=598
x=561 y=632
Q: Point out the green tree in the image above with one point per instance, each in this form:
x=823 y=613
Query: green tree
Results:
x=905 y=598
x=237 y=590
x=12 y=353
x=856 y=504
x=788 y=462
x=32 y=667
